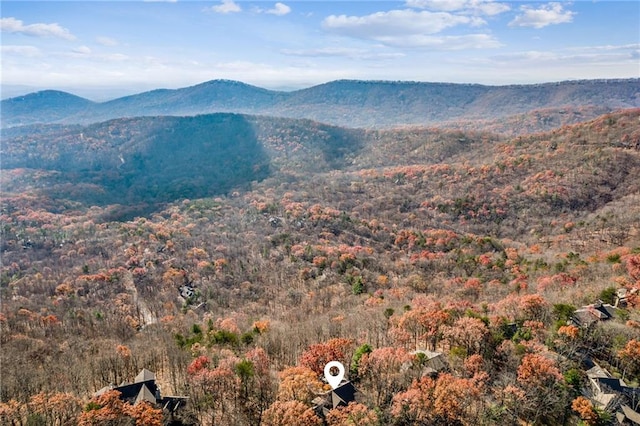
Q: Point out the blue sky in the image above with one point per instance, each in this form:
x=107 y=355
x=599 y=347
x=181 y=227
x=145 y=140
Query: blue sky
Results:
x=103 y=49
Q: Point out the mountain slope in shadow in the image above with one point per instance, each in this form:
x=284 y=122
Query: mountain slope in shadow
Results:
x=161 y=159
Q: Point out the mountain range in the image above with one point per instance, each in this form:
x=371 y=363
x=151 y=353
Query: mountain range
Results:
x=364 y=104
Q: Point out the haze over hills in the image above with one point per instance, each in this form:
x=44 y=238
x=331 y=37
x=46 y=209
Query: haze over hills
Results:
x=368 y=104
x=51 y=105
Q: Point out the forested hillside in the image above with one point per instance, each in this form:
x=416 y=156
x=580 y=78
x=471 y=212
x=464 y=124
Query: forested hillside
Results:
x=42 y=107
x=151 y=160
x=304 y=243
x=350 y=103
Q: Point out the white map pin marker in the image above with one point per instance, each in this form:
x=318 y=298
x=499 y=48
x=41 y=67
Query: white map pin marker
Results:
x=334 y=381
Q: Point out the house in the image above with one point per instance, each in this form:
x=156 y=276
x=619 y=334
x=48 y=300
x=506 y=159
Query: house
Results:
x=594 y=313
x=187 y=291
x=613 y=395
x=604 y=389
x=338 y=397
x=145 y=389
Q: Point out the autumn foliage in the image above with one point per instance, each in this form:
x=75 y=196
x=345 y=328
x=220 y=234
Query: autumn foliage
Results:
x=354 y=414
x=630 y=356
x=299 y=384
x=319 y=354
x=109 y=409
x=585 y=410
x=290 y=413
x=444 y=269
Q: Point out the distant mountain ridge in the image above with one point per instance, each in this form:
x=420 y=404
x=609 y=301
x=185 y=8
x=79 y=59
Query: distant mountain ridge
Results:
x=50 y=105
x=351 y=103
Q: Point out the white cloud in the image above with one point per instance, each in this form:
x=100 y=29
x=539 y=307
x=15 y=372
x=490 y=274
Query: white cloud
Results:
x=279 y=9
x=28 y=51
x=324 y=51
x=83 y=50
x=610 y=47
x=484 y=7
x=443 y=5
x=549 y=14
x=411 y=29
x=469 y=41
x=114 y=57
x=575 y=56
x=107 y=41
x=346 y=52
x=13 y=25
x=226 y=6
x=528 y=56
x=396 y=23
x=86 y=54
x=491 y=8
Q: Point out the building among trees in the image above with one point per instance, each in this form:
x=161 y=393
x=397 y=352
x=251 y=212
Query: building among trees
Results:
x=338 y=397
x=145 y=389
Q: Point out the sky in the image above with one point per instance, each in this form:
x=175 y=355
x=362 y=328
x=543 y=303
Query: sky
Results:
x=105 y=49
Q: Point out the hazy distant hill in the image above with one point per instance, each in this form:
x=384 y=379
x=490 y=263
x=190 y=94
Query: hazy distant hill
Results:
x=47 y=106
x=209 y=97
x=369 y=104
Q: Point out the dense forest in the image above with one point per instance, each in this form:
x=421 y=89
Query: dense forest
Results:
x=234 y=256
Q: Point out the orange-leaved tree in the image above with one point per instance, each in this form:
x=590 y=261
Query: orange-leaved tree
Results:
x=145 y=414
x=213 y=391
x=12 y=412
x=630 y=357
x=585 y=410
x=319 y=354
x=421 y=326
x=382 y=372
x=287 y=413
x=299 y=384
x=354 y=414
x=469 y=334
x=415 y=405
x=458 y=400
x=55 y=408
x=542 y=383
x=109 y=410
